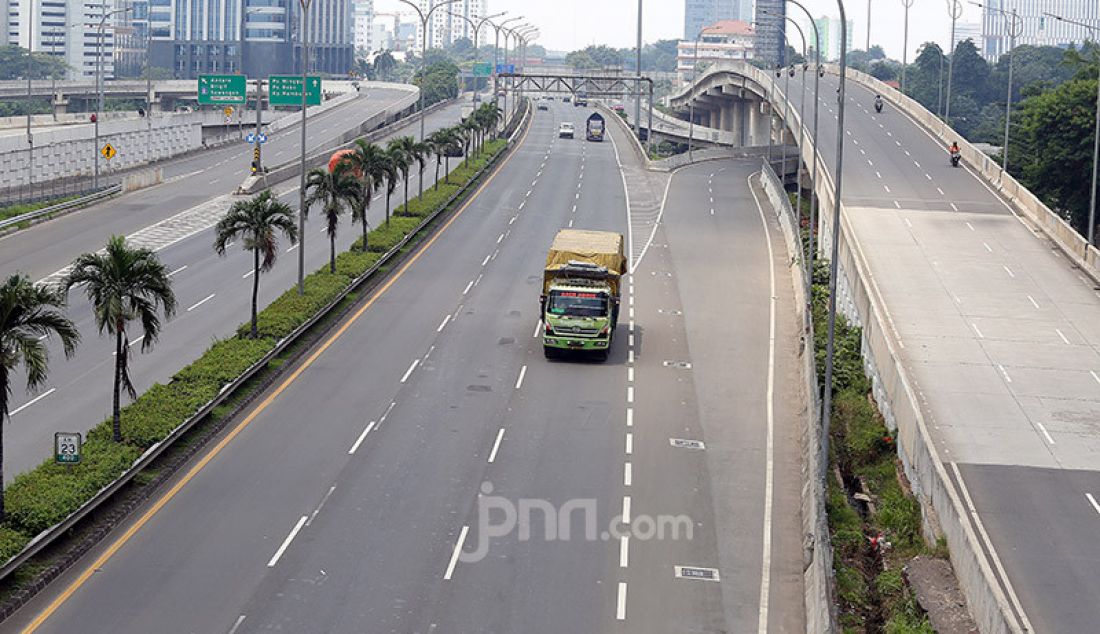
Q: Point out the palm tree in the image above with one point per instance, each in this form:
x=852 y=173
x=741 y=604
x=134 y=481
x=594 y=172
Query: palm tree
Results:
x=255 y=221
x=492 y=115
x=28 y=314
x=333 y=190
x=366 y=163
x=389 y=169
x=466 y=130
x=401 y=152
x=124 y=285
x=438 y=141
x=421 y=150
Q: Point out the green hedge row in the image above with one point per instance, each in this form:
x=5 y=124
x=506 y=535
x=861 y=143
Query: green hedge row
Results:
x=49 y=493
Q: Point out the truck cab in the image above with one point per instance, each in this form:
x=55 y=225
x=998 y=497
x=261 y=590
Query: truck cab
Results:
x=579 y=306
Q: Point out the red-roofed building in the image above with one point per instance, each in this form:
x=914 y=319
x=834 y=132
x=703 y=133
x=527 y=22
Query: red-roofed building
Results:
x=723 y=41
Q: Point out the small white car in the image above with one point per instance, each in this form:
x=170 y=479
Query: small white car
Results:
x=565 y=130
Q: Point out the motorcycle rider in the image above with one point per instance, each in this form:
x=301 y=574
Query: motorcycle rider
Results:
x=878 y=103
x=953 y=150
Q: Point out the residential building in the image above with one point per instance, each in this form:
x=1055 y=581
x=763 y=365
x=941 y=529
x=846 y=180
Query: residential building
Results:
x=1037 y=29
x=699 y=13
x=771 y=42
x=192 y=37
x=829 y=30
x=724 y=41
x=66 y=29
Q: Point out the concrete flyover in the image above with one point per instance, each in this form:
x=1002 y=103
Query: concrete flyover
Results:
x=725 y=99
x=979 y=334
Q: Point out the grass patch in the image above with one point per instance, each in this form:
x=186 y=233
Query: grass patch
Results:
x=12 y=211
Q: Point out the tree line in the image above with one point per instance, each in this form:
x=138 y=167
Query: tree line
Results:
x=130 y=289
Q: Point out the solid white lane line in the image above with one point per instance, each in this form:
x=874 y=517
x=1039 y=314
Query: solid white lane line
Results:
x=626 y=509
x=1064 y=340
x=1008 y=270
x=443 y=324
x=454 y=556
x=469 y=285
x=39 y=398
x=1033 y=302
x=1004 y=373
x=522 y=373
x=361 y=438
x=620 y=604
x=201 y=302
x=628 y=474
x=629 y=443
x=496 y=446
x=286 y=542
x=1045 y=433
x=1093 y=502
x=624 y=551
x=177 y=270
x=979 y=332
x=630 y=411
x=412 y=367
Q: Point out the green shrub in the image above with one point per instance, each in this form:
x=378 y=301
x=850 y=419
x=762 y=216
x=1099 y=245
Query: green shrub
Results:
x=291 y=310
x=863 y=428
x=354 y=263
x=11 y=542
x=900 y=515
x=908 y=618
x=890 y=583
x=850 y=585
x=225 y=361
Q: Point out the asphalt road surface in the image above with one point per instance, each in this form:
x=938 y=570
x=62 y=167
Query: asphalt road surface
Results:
x=213 y=294
x=371 y=490
x=1000 y=336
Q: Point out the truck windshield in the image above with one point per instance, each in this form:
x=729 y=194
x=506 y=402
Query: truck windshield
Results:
x=595 y=126
x=577 y=304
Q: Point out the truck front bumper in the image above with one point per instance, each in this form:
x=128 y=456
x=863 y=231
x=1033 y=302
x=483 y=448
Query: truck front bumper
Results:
x=575 y=343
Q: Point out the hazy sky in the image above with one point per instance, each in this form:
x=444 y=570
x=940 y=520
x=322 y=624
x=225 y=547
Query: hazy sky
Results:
x=572 y=24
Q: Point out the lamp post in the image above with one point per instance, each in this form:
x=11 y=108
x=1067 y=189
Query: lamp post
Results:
x=1091 y=232
x=257 y=146
x=99 y=82
x=30 y=138
x=638 y=78
x=954 y=9
x=302 y=177
x=818 y=72
x=801 y=115
x=786 y=102
x=424 y=17
x=526 y=36
x=694 y=79
x=905 y=43
x=476 y=26
x=1014 y=25
x=510 y=32
x=868 y=49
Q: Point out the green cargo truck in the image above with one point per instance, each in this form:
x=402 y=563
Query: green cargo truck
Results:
x=581 y=287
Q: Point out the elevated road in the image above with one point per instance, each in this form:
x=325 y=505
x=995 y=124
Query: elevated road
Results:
x=1001 y=339
x=357 y=495
x=212 y=292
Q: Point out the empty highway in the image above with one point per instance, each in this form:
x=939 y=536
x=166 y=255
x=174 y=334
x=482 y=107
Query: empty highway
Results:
x=370 y=490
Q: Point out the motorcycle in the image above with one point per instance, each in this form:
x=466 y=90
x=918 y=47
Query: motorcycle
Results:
x=955 y=157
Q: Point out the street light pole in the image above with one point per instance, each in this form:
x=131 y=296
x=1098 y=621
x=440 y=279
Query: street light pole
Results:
x=801 y=116
x=99 y=83
x=868 y=49
x=1014 y=24
x=905 y=43
x=476 y=26
x=30 y=138
x=1091 y=232
x=954 y=10
x=813 y=170
x=638 y=78
x=302 y=177
x=694 y=79
x=424 y=17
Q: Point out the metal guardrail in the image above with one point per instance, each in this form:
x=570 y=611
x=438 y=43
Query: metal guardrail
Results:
x=48 y=536
x=106 y=192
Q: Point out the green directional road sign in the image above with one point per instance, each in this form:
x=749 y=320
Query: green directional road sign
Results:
x=483 y=69
x=221 y=89
x=286 y=90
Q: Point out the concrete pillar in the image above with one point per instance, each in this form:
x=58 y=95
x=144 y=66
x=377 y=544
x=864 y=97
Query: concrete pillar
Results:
x=745 y=108
x=726 y=115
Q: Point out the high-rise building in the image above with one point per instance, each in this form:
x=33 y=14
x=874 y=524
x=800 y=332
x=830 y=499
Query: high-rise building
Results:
x=699 y=13
x=191 y=37
x=771 y=40
x=829 y=30
x=1037 y=29
x=724 y=41
x=66 y=29
x=445 y=28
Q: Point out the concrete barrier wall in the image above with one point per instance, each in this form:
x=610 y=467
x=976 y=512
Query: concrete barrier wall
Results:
x=1022 y=200
x=943 y=511
x=817 y=564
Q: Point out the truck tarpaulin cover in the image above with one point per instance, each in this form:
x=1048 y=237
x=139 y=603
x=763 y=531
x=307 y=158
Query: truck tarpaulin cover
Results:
x=603 y=248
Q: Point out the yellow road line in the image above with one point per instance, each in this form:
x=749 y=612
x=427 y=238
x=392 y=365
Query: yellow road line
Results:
x=171 y=493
